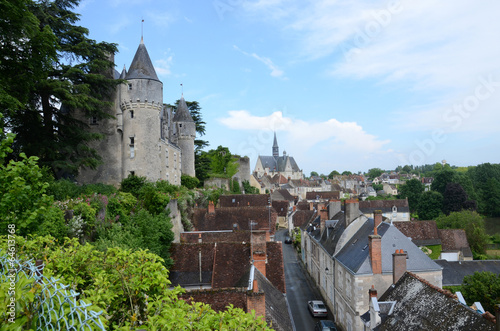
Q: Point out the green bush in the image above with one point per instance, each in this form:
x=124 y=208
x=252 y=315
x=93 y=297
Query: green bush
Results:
x=133 y=184
x=189 y=182
x=63 y=189
x=153 y=201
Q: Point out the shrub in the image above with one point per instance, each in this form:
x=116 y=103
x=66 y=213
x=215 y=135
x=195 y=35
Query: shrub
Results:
x=189 y=182
x=133 y=184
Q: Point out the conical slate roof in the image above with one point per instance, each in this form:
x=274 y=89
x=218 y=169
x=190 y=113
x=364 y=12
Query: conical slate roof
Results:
x=275 y=144
x=182 y=114
x=141 y=67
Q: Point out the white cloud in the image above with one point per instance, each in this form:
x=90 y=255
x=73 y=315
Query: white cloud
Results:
x=162 y=66
x=275 y=71
x=308 y=134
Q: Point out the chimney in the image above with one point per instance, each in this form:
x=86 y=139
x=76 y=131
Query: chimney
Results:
x=334 y=207
x=211 y=207
x=372 y=293
x=255 y=286
x=351 y=211
x=311 y=206
x=294 y=208
x=375 y=247
x=377 y=217
x=323 y=216
x=199 y=238
x=259 y=261
x=398 y=265
x=256 y=301
x=374 y=309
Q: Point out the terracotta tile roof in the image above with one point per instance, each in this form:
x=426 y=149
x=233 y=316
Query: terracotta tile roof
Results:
x=302 y=217
x=241 y=200
x=230 y=218
x=326 y=195
x=369 y=206
x=453 y=239
x=303 y=205
x=421 y=232
x=281 y=207
x=215 y=236
x=275 y=271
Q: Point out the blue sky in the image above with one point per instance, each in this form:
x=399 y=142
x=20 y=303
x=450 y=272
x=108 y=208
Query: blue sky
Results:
x=346 y=85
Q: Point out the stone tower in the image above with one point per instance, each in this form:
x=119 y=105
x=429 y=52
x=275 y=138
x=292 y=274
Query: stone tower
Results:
x=185 y=133
x=141 y=101
x=276 y=149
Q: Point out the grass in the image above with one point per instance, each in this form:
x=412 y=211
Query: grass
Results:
x=436 y=251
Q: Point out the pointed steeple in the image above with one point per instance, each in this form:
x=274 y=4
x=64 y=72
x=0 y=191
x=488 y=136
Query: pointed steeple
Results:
x=142 y=67
x=276 y=149
x=124 y=73
x=182 y=114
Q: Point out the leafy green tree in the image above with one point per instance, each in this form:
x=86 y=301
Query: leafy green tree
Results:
x=441 y=179
x=346 y=173
x=454 y=198
x=407 y=169
x=429 y=205
x=333 y=174
x=378 y=187
x=374 y=172
x=472 y=223
x=249 y=189
x=235 y=187
x=491 y=198
x=133 y=184
x=222 y=162
x=483 y=287
x=412 y=190
x=189 y=182
x=202 y=165
x=314 y=174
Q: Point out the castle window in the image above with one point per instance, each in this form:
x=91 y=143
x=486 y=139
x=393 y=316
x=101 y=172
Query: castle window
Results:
x=132 y=173
x=93 y=120
x=132 y=150
x=131 y=114
x=180 y=125
x=175 y=160
x=166 y=157
x=129 y=86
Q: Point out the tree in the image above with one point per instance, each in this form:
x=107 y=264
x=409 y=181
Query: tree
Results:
x=374 y=172
x=472 y=223
x=202 y=165
x=189 y=182
x=249 y=189
x=333 y=174
x=222 y=162
x=441 y=179
x=314 y=174
x=491 y=198
x=412 y=190
x=407 y=169
x=482 y=287
x=454 y=198
x=346 y=173
x=429 y=205
x=78 y=78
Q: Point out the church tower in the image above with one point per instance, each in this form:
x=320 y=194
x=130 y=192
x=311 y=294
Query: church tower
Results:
x=141 y=101
x=185 y=133
x=276 y=149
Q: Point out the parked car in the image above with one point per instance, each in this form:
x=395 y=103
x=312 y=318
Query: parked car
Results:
x=325 y=325
x=317 y=308
x=288 y=240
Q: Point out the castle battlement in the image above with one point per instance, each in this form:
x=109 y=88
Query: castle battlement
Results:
x=130 y=105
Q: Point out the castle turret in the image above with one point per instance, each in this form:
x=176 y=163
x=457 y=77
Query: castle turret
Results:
x=141 y=103
x=185 y=133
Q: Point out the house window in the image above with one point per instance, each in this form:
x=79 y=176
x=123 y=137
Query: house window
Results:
x=132 y=150
x=131 y=114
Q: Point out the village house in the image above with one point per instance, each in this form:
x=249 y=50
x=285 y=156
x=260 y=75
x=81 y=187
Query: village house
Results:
x=392 y=210
x=413 y=303
x=346 y=253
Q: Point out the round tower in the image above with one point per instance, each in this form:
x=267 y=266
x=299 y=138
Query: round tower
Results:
x=141 y=103
x=185 y=133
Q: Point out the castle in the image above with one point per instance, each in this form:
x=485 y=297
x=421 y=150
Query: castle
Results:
x=144 y=137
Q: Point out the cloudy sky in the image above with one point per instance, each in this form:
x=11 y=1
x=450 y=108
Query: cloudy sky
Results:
x=346 y=85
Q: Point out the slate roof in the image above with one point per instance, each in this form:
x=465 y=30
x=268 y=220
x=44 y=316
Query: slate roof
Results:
x=182 y=113
x=282 y=194
x=455 y=271
x=369 y=206
x=421 y=306
x=326 y=195
x=278 y=163
x=277 y=313
x=141 y=67
x=329 y=238
x=422 y=233
x=355 y=253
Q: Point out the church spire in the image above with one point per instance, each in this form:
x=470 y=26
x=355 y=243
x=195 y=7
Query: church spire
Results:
x=276 y=149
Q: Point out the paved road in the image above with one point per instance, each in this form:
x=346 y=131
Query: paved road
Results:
x=299 y=287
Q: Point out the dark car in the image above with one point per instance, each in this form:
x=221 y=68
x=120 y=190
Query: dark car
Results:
x=288 y=240
x=325 y=325
x=317 y=308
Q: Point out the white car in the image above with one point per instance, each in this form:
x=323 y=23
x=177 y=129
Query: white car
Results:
x=317 y=308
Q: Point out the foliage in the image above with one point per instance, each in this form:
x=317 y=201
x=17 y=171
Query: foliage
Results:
x=346 y=173
x=202 y=166
x=189 y=182
x=314 y=174
x=412 y=190
x=441 y=179
x=235 y=187
x=483 y=287
x=70 y=75
x=472 y=223
x=132 y=286
x=153 y=200
x=297 y=239
x=333 y=174
x=378 y=187
x=222 y=162
x=435 y=251
x=249 y=189
x=374 y=172
x=454 y=198
x=133 y=184
x=429 y=206
x=491 y=197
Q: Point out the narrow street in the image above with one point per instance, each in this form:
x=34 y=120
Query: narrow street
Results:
x=299 y=287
